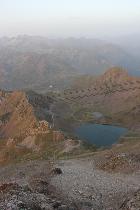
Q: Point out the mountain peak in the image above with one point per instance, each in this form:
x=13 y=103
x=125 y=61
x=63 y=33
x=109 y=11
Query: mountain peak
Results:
x=116 y=72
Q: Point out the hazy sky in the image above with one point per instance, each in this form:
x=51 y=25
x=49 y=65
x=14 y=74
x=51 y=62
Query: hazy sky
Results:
x=58 y=18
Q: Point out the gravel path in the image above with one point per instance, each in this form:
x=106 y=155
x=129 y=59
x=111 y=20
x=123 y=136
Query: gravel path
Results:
x=82 y=182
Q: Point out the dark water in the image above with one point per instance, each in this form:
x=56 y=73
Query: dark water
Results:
x=100 y=135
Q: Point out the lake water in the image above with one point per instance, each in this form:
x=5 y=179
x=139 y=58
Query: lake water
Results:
x=100 y=135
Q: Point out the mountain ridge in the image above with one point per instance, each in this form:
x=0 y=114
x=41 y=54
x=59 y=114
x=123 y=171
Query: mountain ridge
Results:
x=115 y=94
x=22 y=110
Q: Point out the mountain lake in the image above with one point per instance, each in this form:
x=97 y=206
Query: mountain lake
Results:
x=100 y=135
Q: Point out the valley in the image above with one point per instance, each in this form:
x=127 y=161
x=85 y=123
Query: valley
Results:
x=70 y=105
x=113 y=95
x=67 y=145
x=38 y=125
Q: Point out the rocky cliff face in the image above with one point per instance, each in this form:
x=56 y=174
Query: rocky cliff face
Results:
x=23 y=123
x=16 y=114
x=23 y=111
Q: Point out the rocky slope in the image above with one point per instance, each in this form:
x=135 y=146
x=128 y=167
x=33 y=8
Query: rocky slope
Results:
x=78 y=183
x=16 y=114
x=91 y=188
x=25 y=124
x=29 y=188
x=20 y=111
x=115 y=94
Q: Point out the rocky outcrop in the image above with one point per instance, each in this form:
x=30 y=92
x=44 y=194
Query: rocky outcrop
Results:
x=16 y=197
x=24 y=125
x=23 y=113
x=132 y=203
x=16 y=114
x=42 y=127
x=27 y=186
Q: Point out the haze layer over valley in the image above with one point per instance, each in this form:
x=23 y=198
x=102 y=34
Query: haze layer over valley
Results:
x=39 y=63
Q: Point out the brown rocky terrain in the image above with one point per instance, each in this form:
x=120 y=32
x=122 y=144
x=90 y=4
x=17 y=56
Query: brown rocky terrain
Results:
x=115 y=95
x=22 y=112
x=25 y=124
x=16 y=114
x=28 y=187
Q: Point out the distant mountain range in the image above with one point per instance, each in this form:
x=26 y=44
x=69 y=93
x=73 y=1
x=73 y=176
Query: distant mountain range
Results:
x=41 y=64
x=130 y=43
